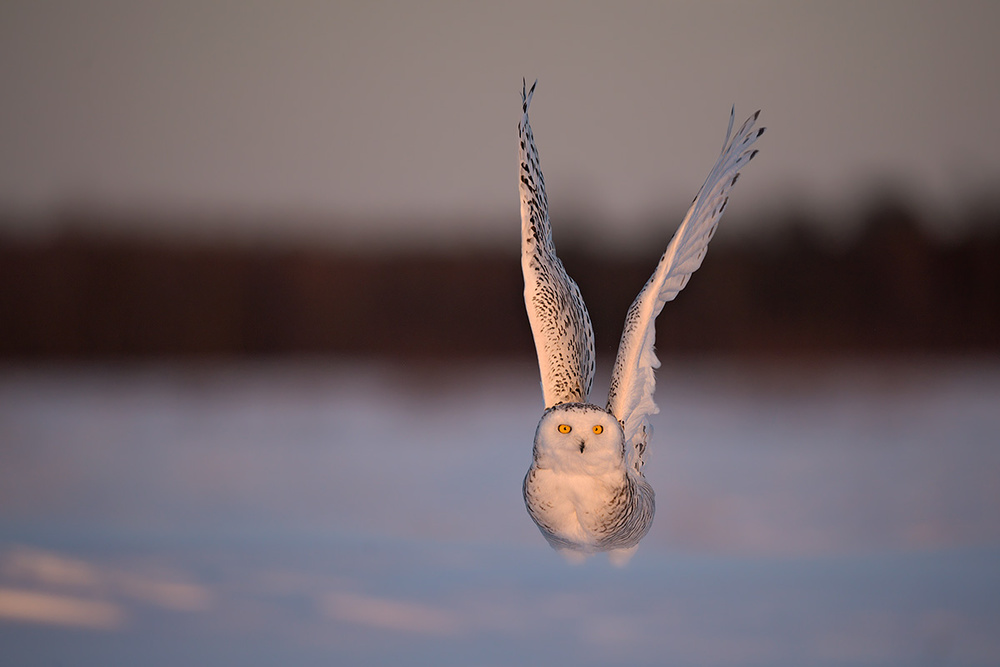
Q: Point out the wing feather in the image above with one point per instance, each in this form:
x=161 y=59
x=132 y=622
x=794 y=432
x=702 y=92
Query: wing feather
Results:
x=630 y=397
x=560 y=323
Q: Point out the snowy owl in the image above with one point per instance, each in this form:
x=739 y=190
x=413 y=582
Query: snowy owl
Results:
x=585 y=489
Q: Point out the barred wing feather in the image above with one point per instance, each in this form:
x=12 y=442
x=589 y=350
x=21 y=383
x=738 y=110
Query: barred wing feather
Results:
x=560 y=323
x=630 y=398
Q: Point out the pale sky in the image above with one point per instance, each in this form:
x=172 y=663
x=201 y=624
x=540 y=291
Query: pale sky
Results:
x=404 y=114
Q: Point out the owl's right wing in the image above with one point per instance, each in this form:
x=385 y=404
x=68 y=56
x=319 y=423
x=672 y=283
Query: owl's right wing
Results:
x=560 y=324
x=630 y=398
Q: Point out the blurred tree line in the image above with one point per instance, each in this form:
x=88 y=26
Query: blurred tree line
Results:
x=890 y=288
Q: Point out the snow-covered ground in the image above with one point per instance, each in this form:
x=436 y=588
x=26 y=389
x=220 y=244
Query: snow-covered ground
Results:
x=842 y=514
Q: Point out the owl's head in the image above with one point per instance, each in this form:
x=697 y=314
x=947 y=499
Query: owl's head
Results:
x=579 y=438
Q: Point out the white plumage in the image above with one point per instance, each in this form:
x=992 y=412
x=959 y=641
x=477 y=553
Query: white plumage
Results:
x=585 y=488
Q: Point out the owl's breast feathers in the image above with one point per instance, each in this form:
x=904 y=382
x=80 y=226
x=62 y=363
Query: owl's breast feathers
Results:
x=585 y=513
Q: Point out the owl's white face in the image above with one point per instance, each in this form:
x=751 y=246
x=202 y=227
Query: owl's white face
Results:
x=579 y=439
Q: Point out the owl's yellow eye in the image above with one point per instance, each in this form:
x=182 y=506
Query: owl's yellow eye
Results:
x=565 y=428
x=598 y=429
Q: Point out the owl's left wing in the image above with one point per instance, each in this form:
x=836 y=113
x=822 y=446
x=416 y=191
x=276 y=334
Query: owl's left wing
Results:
x=630 y=398
x=560 y=323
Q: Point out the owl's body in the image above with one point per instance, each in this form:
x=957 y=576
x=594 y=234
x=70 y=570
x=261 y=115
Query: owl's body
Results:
x=585 y=489
x=581 y=490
